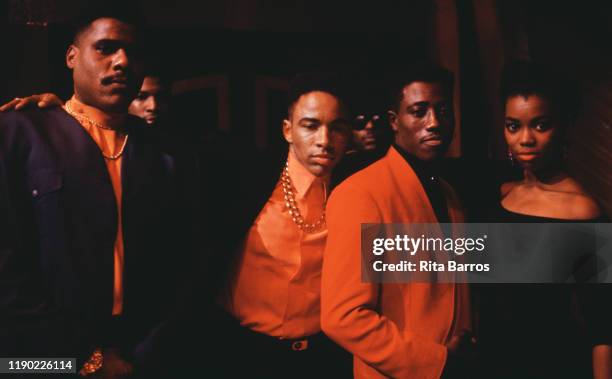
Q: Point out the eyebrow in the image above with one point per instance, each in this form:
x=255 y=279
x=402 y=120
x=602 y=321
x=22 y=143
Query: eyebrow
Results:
x=107 y=40
x=316 y=120
x=542 y=117
x=308 y=119
x=116 y=42
x=418 y=104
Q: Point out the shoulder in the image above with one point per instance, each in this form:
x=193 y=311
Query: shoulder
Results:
x=585 y=207
x=579 y=204
x=32 y=122
x=368 y=176
x=29 y=115
x=360 y=190
x=137 y=128
x=156 y=139
x=506 y=188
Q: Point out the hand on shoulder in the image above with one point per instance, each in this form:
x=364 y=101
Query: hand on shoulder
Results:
x=43 y=100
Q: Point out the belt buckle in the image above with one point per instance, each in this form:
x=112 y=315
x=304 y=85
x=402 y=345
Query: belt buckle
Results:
x=299 y=345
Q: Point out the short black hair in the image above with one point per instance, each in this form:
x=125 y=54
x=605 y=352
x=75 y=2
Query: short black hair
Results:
x=329 y=82
x=127 y=12
x=525 y=78
x=153 y=69
x=427 y=72
x=367 y=94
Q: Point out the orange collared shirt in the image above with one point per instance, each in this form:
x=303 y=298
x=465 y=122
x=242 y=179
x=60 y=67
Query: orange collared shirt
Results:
x=110 y=143
x=278 y=284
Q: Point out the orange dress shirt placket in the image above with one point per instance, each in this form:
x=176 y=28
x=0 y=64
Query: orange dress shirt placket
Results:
x=277 y=290
x=110 y=142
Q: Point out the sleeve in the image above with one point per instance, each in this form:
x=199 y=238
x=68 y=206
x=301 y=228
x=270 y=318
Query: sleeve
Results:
x=183 y=237
x=31 y=321
x=593 y=292
x=349 y=307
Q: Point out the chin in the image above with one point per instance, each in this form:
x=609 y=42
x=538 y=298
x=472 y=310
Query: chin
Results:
x=319 y=171
x=120 y=105
x=437 y=153
x=431 y=156
x=532 y=166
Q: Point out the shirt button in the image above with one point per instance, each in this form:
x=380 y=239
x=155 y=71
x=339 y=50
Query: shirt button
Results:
x=34 y=193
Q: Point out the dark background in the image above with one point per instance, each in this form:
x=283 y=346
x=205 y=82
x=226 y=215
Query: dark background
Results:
x=230 y=61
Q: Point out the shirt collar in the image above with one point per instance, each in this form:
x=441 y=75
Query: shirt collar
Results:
x=426 y=171
x=303 y=180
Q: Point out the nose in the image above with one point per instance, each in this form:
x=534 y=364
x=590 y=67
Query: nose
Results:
x=323 y=136
x=120 y=60
x=526 y=137
x=151 y=104
x=433 y=121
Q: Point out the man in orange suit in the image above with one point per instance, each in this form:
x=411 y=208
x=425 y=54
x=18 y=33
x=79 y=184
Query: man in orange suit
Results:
x=398 y=330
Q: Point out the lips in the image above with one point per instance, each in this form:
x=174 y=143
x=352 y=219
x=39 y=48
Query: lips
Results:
x=120 y=80
x=322 y=159
x=432 y=141
x=527 y=156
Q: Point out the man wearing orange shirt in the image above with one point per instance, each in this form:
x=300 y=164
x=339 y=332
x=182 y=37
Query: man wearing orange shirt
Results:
x=90 y=212
x=274 y=284
x=397 y=330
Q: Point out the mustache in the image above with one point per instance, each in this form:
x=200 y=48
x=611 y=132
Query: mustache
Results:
x=117 y=78
x=433 y=137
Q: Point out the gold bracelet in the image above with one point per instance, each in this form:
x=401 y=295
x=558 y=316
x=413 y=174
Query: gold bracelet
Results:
x=93 y=364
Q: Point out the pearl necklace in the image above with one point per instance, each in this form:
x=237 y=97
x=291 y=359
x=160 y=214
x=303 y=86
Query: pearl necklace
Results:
x=294 y=211
x=82 y=118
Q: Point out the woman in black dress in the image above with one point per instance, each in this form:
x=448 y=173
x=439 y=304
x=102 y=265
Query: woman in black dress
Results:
x=543 y=330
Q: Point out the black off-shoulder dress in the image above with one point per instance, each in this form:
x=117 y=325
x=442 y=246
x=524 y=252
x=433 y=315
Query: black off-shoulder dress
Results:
x=541 y=330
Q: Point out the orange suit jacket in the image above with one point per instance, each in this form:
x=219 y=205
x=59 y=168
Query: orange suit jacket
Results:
x=393 y=330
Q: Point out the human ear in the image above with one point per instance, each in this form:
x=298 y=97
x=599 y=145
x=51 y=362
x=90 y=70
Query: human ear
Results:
x=392 y=120
x=287 y=127
x=71 y=54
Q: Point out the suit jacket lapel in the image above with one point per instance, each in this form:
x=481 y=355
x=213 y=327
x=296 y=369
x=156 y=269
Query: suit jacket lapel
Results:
x=92 y=180
x=135 y=169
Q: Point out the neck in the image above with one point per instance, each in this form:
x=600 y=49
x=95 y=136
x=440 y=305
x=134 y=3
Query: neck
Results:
x=296 y=166
x=108 y=119
x=432 y=165
x=547 y=176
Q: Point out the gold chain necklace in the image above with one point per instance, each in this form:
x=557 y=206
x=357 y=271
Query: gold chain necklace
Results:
x=83 y=118
x=294 y=211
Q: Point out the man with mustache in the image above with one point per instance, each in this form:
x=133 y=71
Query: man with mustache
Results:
x=397 y=330
x=279 y=221
x=90 y=212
